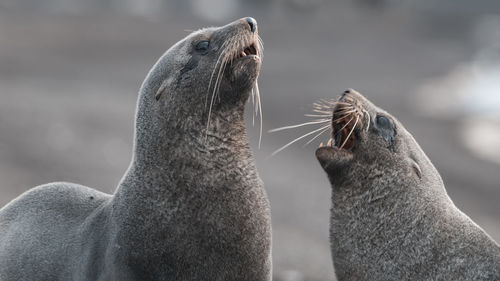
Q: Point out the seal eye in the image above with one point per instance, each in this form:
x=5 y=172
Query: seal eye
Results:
x=385 y=129
x=202 y=46
x=383 y=122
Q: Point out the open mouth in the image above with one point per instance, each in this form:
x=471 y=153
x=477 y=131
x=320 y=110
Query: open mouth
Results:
x=344 y=122
x=247 y=51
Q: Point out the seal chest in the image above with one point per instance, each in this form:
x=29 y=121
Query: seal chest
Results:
x=191 y=205
x=391 y=218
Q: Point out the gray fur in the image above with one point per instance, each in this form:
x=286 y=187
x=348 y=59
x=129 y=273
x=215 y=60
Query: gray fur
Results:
x=191 y=205
x=391 y=218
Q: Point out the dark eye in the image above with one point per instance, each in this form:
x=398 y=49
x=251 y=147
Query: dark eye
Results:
x=385 y=129
x=383 y=122
x=202 y=46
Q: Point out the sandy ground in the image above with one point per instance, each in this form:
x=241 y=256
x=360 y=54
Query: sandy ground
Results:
x=68 y=85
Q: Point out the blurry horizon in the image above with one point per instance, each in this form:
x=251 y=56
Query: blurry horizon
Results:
x=70 y=71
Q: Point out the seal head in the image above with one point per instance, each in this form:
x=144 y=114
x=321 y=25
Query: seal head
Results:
x=391 y=218
x=213 y=69
x=367 y=138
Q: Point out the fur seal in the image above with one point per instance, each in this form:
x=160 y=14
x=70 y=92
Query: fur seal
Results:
x=391 y=218
x=191 y=205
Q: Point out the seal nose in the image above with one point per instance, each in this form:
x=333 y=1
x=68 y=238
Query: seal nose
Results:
x=252 y=23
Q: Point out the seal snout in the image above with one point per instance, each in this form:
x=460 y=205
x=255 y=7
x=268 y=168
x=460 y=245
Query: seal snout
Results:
x=346 y=118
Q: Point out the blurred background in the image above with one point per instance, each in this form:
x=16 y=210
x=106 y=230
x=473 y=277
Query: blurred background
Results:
x=70 y=71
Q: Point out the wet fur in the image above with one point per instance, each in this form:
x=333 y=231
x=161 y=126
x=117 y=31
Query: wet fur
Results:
x=391 y=218
x=190 y=207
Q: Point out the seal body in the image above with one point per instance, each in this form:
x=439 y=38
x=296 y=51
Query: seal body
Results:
x=191 y=205
x=391 y=218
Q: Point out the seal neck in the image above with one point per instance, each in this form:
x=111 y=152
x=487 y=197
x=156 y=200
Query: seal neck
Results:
x=175 y=156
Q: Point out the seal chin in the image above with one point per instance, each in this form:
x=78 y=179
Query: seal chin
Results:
x=332 y=158
x=245 y=67
x=245 y=72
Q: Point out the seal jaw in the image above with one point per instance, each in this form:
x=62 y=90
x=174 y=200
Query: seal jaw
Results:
x=245 y=64
x=332 y=158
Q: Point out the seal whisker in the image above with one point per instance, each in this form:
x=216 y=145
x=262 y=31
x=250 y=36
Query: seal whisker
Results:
x=321 y=111
x=318 y=115
x=340 y=118
x=215 y=68
x=299 y=138
x=260 y=111
x=321 y=119
x=345 y=110
x=260 y=42
x=219 y=78
x=217 y=83
x=316 y=136
x=253 y=111
x=324 y=104
x=335 y=102
x=349 y=135
x=298 y=125
x=349 y=99
x=344 y=113
x=343 y=127
x=369 y=119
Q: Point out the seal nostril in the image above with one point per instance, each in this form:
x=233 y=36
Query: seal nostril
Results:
x=252 y=23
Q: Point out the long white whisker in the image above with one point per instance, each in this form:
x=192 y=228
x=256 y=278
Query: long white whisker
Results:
x=253 y=103
x=318 y=115
x=296 y=126
x=216 y=86
x=343 y=117
x=369 y=119
x=346 y=110
x=219 y=78
x=335 y=102
x=321 y=119
x=260 y=111
x=316 y=136
x=223 y=52
x=299 y=138
x=322 y=111
x=343 y=127
x=352 y=130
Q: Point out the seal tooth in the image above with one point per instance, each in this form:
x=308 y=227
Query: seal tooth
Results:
x=321 y=144
x=329 y=142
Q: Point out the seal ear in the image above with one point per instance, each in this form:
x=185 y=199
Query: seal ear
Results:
x=332 y=158
x=161 y=89
x=415 y=167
